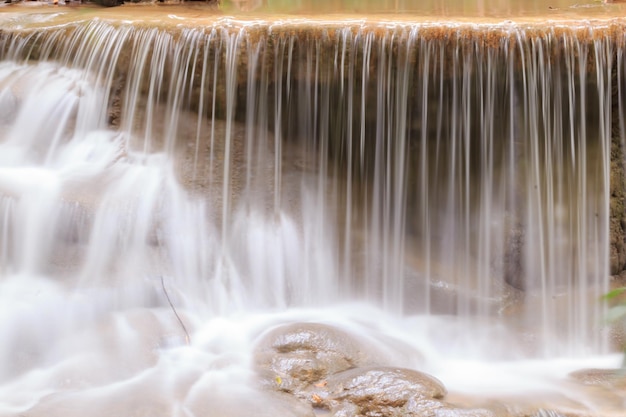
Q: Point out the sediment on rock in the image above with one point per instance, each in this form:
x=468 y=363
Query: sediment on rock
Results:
x=617 y=216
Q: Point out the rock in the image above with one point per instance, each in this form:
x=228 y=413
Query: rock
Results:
x=416 y=407
x=293 y=356
x=513 y=262
x=389 y=385
x=109 y=3
x=614 y=379
x=375 y=391
x=312 y=337
x=617 y=329
x=617 y=202
x=311 y=361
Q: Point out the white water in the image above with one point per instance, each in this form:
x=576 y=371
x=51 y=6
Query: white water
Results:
x=100 y=224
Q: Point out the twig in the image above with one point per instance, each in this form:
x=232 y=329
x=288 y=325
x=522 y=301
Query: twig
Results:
x=187 y=338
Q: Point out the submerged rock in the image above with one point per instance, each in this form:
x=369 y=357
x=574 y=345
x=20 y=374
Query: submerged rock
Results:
x=614 y=379
x=242 y=404
x=109 y=3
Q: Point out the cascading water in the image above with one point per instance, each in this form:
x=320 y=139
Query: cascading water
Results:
x=168 y=194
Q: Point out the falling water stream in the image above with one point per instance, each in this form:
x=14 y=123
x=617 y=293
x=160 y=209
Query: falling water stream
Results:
x=169 y=191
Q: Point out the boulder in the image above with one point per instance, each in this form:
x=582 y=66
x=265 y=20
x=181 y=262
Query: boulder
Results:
x=377 y=391
x=293 y=356
x=414 y=407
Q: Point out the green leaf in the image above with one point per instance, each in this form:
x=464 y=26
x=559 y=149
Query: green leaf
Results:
x=614 y=293
x=616 y=313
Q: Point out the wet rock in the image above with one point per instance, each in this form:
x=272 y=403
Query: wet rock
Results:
x=617 y=213
x=446 y=296
x=440 y=292
x=617 y=329
x=513 y=262
x=378 y=391
x=291 y=357
x=109 y=3
x=606 y=386
x=303 y=360
x=116 y=100
x=608 y=378
x=390 y=385
x=298 y=358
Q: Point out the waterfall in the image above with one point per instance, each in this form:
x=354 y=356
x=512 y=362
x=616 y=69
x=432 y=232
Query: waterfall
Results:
x=245 y=168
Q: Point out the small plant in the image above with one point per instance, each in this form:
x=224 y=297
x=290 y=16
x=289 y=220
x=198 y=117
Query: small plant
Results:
x=617 y=311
